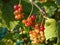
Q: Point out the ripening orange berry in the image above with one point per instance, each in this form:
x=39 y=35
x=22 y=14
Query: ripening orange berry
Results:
x=37 y=31
x=17 y=17
x=42 y=38
x=20 y=7
x=29 y=20
x=24 y=21
x=16 y=12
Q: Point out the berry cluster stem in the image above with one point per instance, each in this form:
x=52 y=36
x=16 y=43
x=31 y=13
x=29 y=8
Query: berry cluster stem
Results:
x=19 y=1
x=31 y=10
x=43 y=13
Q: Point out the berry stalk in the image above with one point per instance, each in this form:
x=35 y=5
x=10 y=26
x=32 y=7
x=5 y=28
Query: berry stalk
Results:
x=43 y=13
x=19 y=1
x=31 y=10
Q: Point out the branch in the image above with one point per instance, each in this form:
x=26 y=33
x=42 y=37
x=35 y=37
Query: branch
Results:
x=42 y=12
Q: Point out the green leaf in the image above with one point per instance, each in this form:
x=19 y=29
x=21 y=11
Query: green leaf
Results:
x=50 y=28
x=16 y=36
x=50 y=8
x=0 y=18
x=13 y=24
x=7 y=15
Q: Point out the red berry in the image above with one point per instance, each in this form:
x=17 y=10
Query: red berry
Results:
x=27 y=24
x=37 y=26
x=22 y=15
x=33 y=24
x=33 y=17
x=42 y=28
x=15 y=7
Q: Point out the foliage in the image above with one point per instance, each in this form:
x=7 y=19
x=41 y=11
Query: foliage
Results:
x=7 y=20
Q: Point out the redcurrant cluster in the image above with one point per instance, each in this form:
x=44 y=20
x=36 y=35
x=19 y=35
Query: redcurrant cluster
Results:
x=17 y=12
x=37 y=35
x=29 y=21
